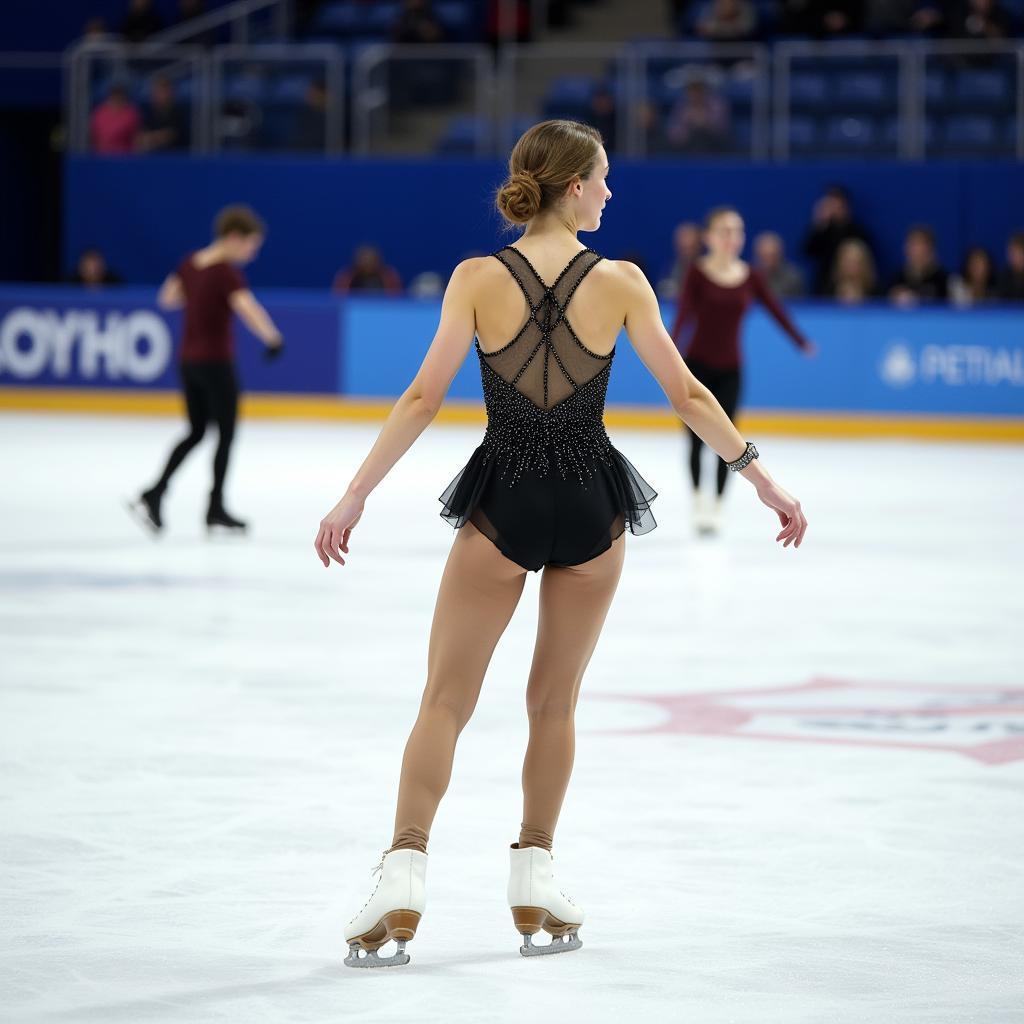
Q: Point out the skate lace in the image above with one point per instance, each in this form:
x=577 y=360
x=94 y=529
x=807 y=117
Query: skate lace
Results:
x=378 y=868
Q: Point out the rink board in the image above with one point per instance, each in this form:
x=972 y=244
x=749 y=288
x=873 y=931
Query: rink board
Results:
x=933 y=371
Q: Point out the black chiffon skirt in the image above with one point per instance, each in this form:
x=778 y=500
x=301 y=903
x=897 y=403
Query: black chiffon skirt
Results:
x=546 y=520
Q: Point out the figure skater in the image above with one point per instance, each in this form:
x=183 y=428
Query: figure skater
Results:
x=210 y=285
x=545 y=489
x=717 y=291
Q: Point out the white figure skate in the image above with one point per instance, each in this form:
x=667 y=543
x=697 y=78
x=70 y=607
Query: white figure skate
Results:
x=392 y=912
x=536 y=902
x=702 y=514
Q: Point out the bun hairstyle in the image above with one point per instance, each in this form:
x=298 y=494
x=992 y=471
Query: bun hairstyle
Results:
x=542 y=164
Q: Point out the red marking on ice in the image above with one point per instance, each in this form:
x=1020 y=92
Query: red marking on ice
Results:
x=722 y=714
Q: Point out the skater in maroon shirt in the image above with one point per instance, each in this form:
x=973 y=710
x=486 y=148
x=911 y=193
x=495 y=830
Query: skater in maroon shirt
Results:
x=210 y=285
x=716 y=293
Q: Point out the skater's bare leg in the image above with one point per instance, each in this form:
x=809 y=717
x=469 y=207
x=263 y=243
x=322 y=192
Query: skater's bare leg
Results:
x=479 y=591
x=574 y=601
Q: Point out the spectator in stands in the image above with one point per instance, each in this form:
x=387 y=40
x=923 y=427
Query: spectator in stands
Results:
x=95 y=31
x=603 y=115
x=977 y=19
x=887 y=17
x=115 y=123
x=508 y=21
x=728 y=21
x=165 y=124
x=648 y=117
x=189 y=10
x=823 y=18
x=785 y=278
x=92 y=270
x=832 y=225
x=141 y=21
x=687 y=245
x=1011 y=280
x=368 y=272
x=309 y=129
x=922 y=276
x=417 y=23
x=853 y=278
x=976 y=281
x=699 y=122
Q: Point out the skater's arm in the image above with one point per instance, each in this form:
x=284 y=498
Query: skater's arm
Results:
x=767 y=298
x=171 y=294
x=695 y=404
x=254 y=316
x=685 y=305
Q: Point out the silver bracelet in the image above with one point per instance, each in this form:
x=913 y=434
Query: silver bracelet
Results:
x=748 y=456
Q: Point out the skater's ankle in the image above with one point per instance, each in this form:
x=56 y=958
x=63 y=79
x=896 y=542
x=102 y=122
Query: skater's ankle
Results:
x=411 y=838
x=529 y=835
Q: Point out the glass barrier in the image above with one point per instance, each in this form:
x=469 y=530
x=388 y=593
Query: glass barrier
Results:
x=584 y=82
x=842 y=100
x=701 y=100
x=278 y=99
x=137 y=99
x=971 y=100
x=410 y=100
x=883 y=99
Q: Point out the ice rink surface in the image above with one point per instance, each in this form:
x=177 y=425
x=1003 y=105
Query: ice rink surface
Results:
x=799 y=783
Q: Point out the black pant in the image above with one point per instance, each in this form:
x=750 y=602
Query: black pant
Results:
x=211 y=395
x=725 y=386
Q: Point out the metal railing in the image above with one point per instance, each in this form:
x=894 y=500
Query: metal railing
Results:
x=498 y=94
x=378 y=72
x=87 y=63
x=327 y=61
x=236 y=16
x=723 y=66
x=909 y=110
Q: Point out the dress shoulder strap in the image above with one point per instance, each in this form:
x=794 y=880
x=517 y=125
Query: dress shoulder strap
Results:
x=533 y=285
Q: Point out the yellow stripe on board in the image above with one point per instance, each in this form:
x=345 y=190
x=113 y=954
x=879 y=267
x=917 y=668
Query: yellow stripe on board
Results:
x=264 y=405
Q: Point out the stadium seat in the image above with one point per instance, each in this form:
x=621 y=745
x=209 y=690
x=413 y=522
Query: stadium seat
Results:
x=970 y=132
x=849 y=134
x=808 y=90
x=865 y=91
x=983 y=89
x=803 y=136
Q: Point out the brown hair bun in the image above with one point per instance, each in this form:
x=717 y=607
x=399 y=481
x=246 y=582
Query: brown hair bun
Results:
x=542 y=164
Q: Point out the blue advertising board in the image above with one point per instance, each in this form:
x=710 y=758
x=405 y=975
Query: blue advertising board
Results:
x=117 y=338
x=929 y=360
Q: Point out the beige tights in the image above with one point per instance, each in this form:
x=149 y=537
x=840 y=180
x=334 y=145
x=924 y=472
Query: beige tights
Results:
x=479 y=591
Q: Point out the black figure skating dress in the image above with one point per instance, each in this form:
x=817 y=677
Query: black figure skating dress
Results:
x=546 y=485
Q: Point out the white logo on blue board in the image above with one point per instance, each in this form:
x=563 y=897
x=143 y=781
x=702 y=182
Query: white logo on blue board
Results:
x=135 y=346
x=898 y=366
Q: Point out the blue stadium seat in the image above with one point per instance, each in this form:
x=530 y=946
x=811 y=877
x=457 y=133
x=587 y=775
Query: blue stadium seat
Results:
x=936 y=89
x=982 y=88
x=246 y=87
x=974 y=132
x=290 y=89
x=461 y=136
x=865 y=90
x=849 y=134
x=803 y=135
x=808 y=90
x=739 y=92
x=569 y=96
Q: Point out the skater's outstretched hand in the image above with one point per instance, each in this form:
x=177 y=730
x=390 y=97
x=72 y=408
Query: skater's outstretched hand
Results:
x=335 y=529
x=794 y=522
